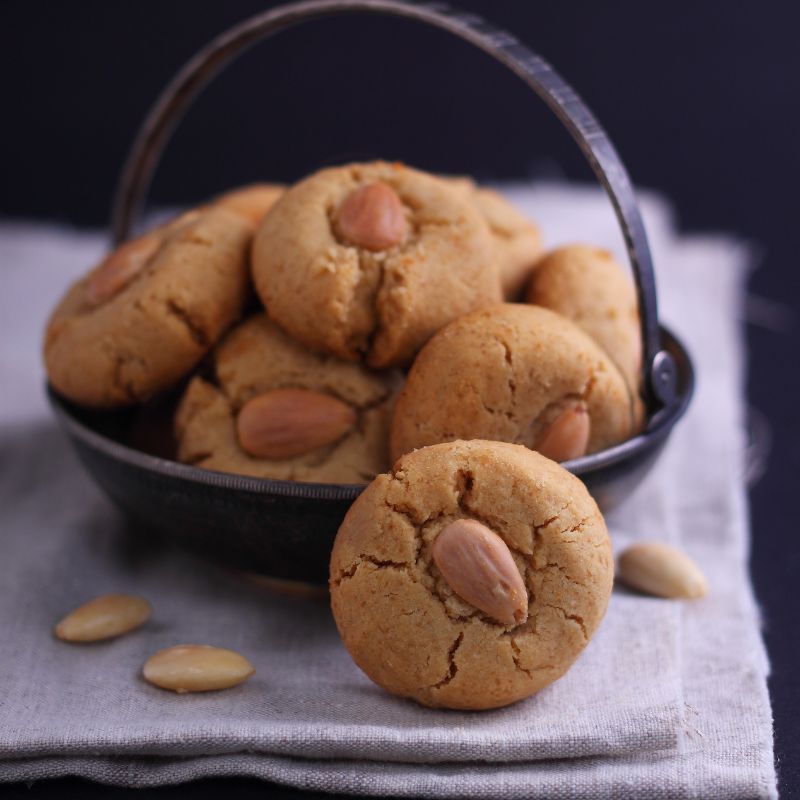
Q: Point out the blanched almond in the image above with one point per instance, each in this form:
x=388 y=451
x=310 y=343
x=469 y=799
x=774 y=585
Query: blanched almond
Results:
x=104 y=618
x=658 y=569
x=120 y=268
x=479 y=568
x=284 y=423
x=567 y=436
x=372 y=217
x=196 y=668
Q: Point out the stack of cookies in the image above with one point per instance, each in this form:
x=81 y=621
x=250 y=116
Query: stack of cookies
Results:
x=361 y=318
x=319 y=332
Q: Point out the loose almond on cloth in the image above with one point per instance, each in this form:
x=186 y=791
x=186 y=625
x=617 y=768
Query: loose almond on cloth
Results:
x=196 y=668
x=104 y=617
x=661 y=570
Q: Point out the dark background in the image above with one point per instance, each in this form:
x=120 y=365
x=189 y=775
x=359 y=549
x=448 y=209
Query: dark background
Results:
x=701 y=98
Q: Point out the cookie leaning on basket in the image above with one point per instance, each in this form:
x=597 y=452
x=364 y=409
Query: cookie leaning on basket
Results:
x=370 y=260
x=470 y=576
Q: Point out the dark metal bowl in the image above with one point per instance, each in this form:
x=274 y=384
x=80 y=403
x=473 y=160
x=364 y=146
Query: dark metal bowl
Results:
x=286 y=529
x=281 y=528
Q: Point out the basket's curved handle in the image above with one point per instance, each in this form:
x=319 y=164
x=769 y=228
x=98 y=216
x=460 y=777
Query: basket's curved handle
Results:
x=659 y=372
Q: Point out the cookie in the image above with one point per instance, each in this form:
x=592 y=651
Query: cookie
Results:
x=150 y=310
x=368 y=261
x=514 y=373
x=252 y=202
x=585 y=284
x=275 y=409
x=517 y=241
x=471 y=576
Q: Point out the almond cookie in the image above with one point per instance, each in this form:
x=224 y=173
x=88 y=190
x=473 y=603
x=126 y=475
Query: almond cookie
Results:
x=252 y=202
x=471 y=576
x=585 y=284
x=517 y=241
x=279 y=410
x=514 y=373
x=370 y=260
x=141 y=319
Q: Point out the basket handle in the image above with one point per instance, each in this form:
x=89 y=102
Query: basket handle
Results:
x=659 y=374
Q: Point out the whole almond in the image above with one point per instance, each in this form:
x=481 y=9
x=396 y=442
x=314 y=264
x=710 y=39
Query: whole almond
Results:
x=372 y=217
x=284 y=423
x=104 y=618
x=658 y=569
x=120 y=268
x=567 y=436
x=196 y=668
x=479 y=568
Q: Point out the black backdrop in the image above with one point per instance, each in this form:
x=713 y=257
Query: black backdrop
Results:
x=701 y=98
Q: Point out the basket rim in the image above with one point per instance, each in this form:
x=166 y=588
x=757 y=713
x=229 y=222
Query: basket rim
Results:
x=657 y=427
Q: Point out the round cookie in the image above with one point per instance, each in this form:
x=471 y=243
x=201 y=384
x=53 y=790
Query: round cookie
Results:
x=517 y=241
x=585 y=284
x=252 y=201
x=401 y=619
x=150 y=310
x=256 y=360
x=370 y=260
x=514 y=373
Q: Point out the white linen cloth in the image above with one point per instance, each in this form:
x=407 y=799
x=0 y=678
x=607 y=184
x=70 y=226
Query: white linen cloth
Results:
x=669 y=699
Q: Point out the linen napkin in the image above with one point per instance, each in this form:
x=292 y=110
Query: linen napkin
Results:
x=668 y=700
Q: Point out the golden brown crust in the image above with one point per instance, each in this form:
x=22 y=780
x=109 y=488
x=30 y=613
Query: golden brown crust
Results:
x=252 y=201
x=585 y=284
x=406 y=628
x=503 y=373
x=257 y=357
x=355 y=303
x=517 y=240
x=154 y=330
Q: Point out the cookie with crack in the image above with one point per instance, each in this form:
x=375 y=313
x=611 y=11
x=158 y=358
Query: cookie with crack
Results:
x=278 y=410
x=470 y=576
x=141 y=319
x=370 y=260
x=585 y=284
x=517 y=241
x=514 y=373
x=252 y=201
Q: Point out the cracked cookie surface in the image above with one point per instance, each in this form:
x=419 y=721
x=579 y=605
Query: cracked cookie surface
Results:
x=360 y=303
x=405 y=627
x=505 y=373
x=257 y=357
x=585 y=284
x=123 y=345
